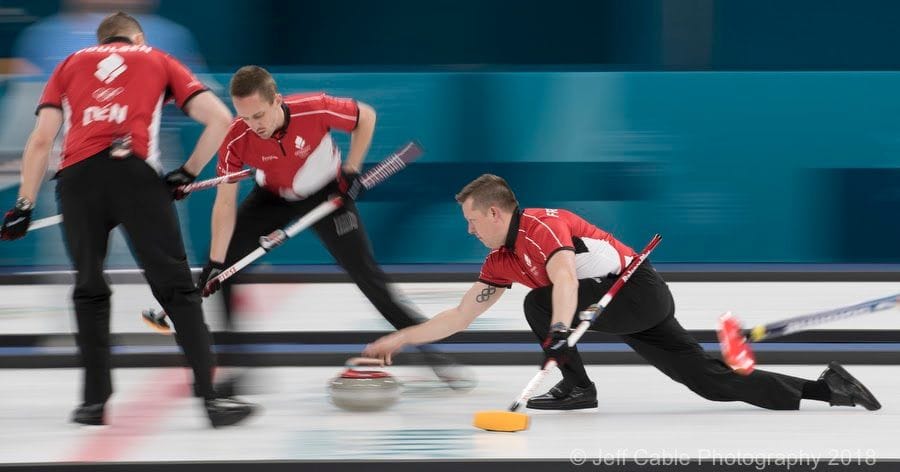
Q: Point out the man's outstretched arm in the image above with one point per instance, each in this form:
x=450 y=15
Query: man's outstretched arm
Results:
x=476 y=301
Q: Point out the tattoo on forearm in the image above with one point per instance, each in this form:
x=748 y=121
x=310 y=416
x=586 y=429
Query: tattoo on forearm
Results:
x=485 y=294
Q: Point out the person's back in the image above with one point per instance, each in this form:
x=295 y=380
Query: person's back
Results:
x=113 y=92
x=108 y=100
x=42 y=46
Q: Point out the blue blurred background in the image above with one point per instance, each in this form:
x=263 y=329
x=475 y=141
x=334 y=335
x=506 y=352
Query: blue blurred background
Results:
x=743 y=131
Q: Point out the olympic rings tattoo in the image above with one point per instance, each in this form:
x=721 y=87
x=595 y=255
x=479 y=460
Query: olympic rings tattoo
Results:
x=485 y=294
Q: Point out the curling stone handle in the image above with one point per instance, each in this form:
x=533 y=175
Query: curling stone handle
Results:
x=361 y=361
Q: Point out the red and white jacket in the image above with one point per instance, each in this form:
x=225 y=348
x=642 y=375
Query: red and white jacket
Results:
x=116 y=91
x=536 y=234
x=301 y=157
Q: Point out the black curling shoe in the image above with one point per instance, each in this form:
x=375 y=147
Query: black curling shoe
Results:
x=565 y=397
x=227 y=411
x=846 y=390
x=91 y=415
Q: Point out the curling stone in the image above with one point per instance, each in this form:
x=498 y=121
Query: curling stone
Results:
x=364 y=389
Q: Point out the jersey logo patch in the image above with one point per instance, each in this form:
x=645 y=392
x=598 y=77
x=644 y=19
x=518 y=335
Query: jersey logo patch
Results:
x=104 y=94
x=300 y=146
x=110 y=68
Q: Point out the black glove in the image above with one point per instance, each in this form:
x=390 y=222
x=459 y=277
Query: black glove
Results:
x=350 y=184
x=177 y=178
x=210 y=271
x=556 y=344
x=16 y=221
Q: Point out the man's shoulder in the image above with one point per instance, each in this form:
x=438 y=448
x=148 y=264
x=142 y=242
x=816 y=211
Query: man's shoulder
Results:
x=497 y=255
x=237 y=133
x=548 y=220
x=546 y=214
x=161 y=55
x=299 y=102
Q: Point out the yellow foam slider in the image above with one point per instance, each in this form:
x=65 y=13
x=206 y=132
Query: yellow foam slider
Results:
x=501 y=420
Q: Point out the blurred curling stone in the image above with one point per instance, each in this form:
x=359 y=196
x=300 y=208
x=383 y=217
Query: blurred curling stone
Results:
x=361 y=387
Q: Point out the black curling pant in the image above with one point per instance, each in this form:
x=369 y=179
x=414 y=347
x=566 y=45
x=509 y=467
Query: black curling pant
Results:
x=95 y=196
x=643 y=314
x=341 y=232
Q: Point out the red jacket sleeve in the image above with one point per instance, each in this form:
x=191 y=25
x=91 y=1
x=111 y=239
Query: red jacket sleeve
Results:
x=339 y=113
x=54 y=90
x=229 y=160
x=182 y=84
x=492 y=273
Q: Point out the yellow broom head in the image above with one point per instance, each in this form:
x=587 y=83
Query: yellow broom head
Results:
x=501 y=420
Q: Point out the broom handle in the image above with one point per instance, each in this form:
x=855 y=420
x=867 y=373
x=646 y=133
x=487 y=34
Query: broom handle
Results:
x=798 y=323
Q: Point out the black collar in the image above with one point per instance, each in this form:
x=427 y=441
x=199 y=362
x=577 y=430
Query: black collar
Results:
x=117 y=39
x=280 y=132
x=513 y=232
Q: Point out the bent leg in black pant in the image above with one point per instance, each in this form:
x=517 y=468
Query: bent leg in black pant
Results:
x=258 y=215
x=344 y=236
x=538 y=307
x=640 y=303
x=148 y=216
x=86 y=233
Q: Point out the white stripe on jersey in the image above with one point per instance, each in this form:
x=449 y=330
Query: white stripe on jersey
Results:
x=239 y=137
x=153 y=135
x=545 y=226
x=535 y=245
x=306 y=99
x=316 y=112
x=67 y=124
x=228 y=149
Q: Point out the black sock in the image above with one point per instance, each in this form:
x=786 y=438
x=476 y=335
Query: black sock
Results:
x=816 y=390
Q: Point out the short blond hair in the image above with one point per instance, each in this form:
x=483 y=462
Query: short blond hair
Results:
x=117 y=24
x=252 y=79
x=488 y=190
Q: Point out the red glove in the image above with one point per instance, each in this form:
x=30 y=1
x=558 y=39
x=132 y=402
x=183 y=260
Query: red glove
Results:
x=733 y=343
